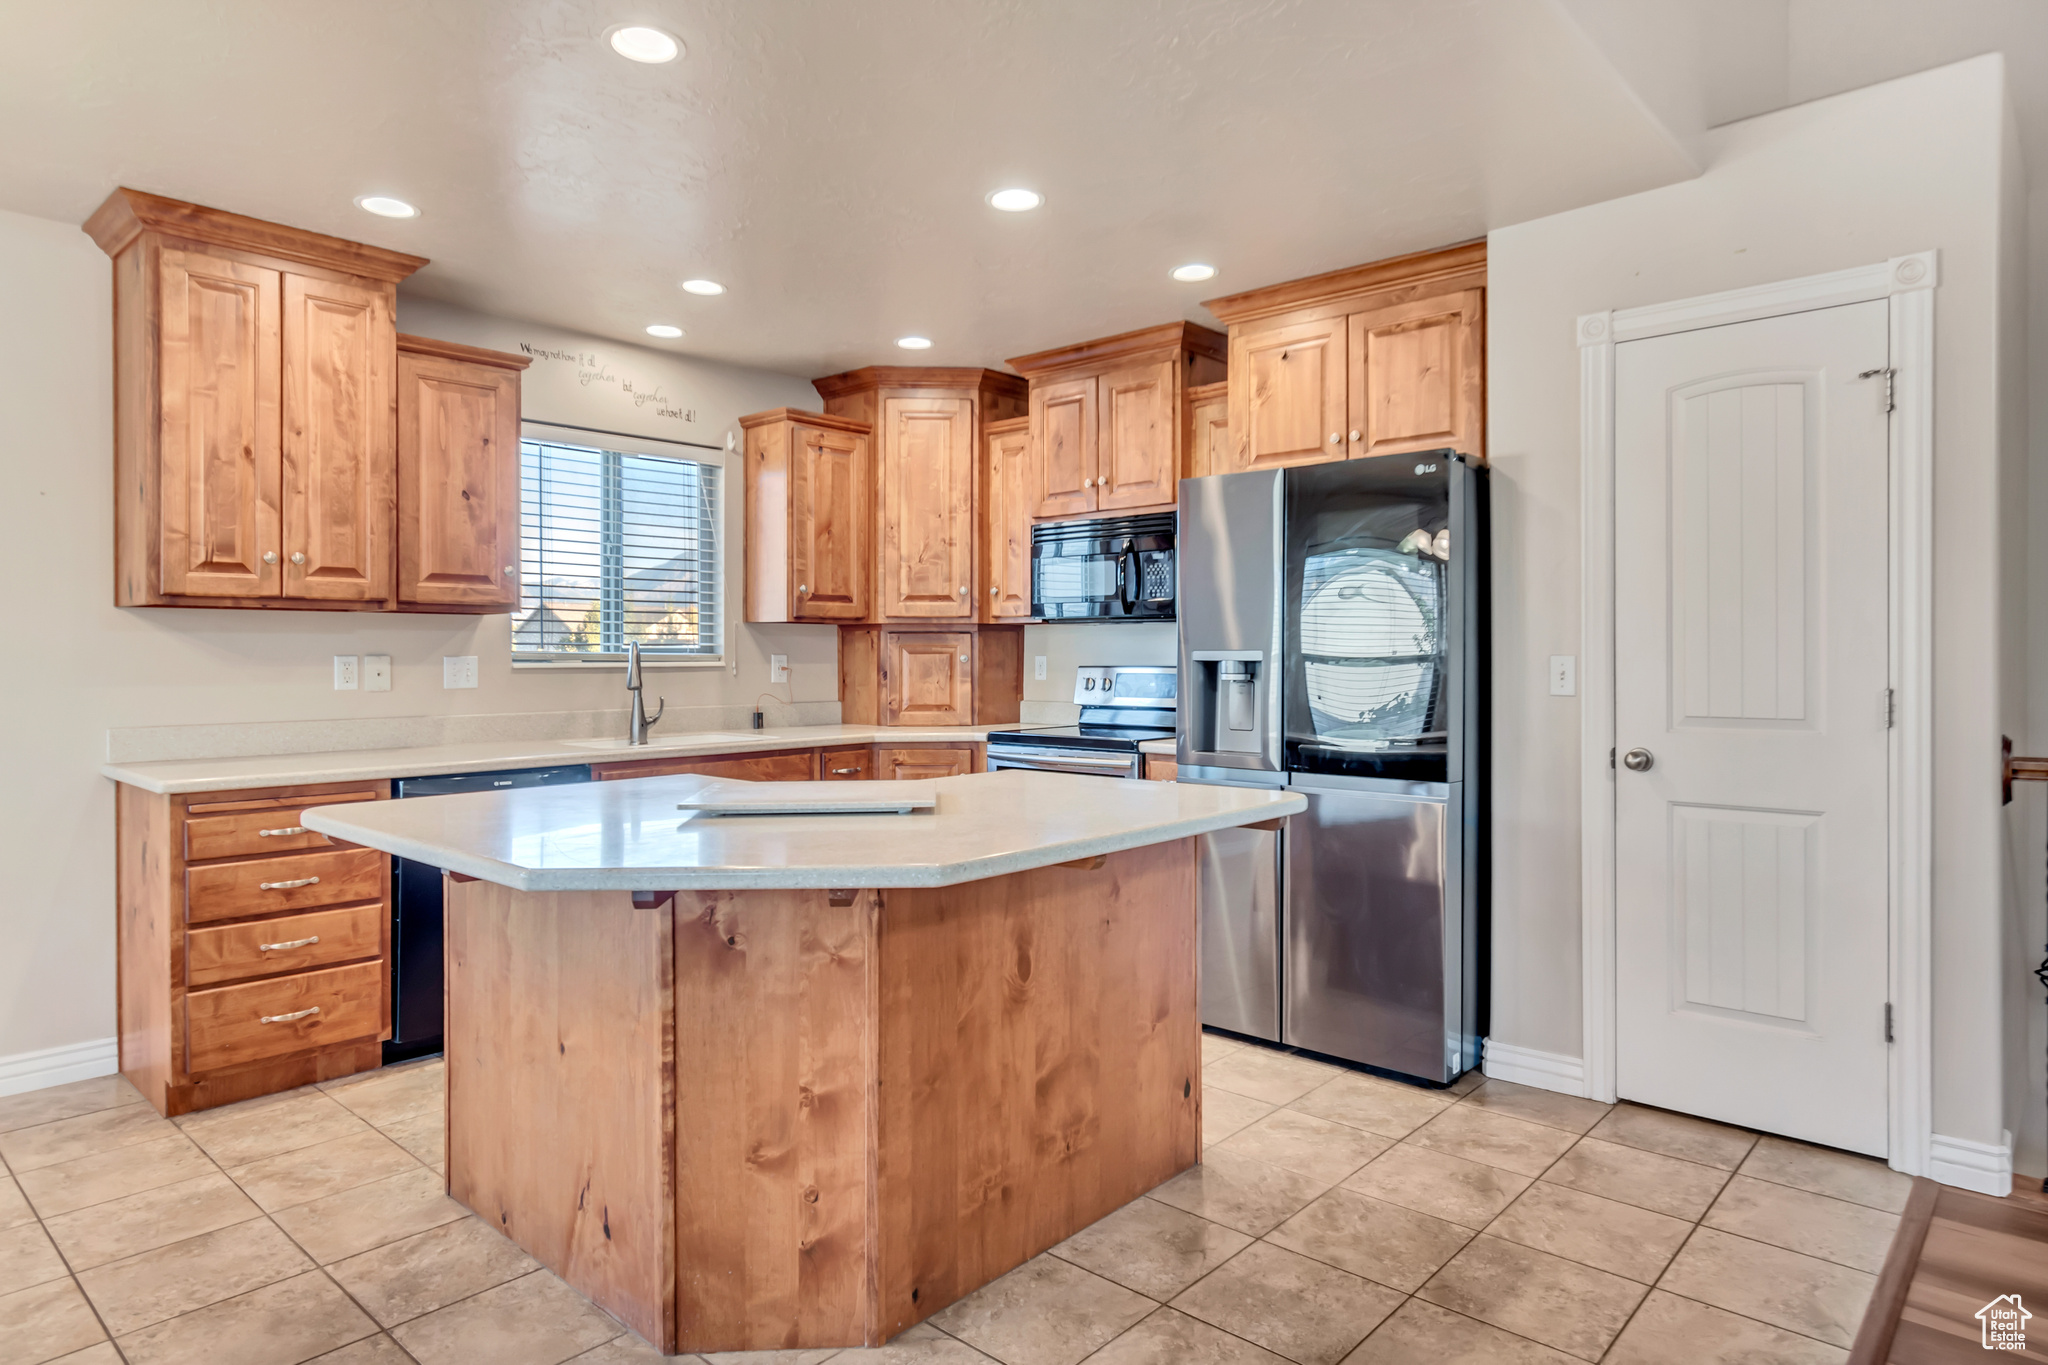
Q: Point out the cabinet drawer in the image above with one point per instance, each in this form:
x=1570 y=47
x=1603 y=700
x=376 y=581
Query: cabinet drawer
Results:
x=259 y=886
x=922 y=763
x=234 y=951
x=846 y=765
x=232 y=1024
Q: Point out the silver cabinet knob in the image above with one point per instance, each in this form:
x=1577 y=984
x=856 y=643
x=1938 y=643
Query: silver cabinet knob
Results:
x=803 y=589
x=1638 y=760
x=963 y=658
x=1335 y=437
x=270 y=556
x=991 y=592
x=963 y=590
x=298 y=556
x=1354 y=436
x=510 y=570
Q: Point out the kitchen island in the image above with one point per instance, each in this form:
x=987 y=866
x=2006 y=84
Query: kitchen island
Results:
x=772 y=1082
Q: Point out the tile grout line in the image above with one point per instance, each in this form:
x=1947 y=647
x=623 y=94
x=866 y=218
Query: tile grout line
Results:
x=77 y=1285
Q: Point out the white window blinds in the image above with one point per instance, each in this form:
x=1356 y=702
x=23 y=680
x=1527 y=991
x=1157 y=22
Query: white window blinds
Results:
x=616 y=546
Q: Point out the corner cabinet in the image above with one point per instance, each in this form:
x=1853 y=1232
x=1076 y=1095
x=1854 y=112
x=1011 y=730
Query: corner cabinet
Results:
x=1110 y=427
x=808 y=481
x=1006 y=508
x=1380 y=359
x=458 y=476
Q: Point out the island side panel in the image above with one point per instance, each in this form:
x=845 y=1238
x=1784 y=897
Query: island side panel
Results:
x=1040 y=1047
x=776 y=1128
x=561 y=1086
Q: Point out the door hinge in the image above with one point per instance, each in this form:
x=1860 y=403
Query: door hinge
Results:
x=1887 y=1021
x=1891 y=708
x=1890 y=379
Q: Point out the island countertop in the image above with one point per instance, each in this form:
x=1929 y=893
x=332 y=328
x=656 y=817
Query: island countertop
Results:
x=629 y=836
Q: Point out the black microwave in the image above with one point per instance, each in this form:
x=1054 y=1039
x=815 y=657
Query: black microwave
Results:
x=1115 y=569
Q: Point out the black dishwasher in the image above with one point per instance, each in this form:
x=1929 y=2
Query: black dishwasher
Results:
x=416 y=965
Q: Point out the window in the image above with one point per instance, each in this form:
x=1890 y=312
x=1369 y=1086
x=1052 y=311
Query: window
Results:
x=617 y=546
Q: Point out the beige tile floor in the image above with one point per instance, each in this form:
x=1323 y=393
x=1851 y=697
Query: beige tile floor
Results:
x=1335 y=1218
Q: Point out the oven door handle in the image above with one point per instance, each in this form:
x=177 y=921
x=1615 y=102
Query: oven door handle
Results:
x=1096 y=767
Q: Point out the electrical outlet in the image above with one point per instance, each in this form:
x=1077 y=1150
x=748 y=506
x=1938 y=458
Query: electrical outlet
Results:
x=1038 y=667
x=376 y=673
x=458 y=670
x=778 y=668
x=344 y=672
x=1564 y=675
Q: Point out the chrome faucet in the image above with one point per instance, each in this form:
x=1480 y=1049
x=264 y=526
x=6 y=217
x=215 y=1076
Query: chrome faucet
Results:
x=639 y=718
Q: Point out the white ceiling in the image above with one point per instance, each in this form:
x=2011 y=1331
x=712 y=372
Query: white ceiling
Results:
x=828 y=161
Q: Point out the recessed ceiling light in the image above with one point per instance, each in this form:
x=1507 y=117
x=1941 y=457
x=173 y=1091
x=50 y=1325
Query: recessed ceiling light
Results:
x=1016 y=201
x=384 y=206
x=665 y=331
x=914 y=343
x=703 y=287
x=1193 y=274
x=637 y=43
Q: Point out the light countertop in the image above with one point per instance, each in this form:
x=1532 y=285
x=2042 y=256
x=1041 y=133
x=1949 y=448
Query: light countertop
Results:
x=629 y=836
x=179 y=776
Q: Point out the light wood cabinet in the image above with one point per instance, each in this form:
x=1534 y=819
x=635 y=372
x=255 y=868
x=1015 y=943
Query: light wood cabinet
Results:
x=786 y=765
x=1208 y=430
x=458 y=475
x=923 y=762
x=255 y=368
x=252 y=956
x=1110 y=428
x=809 y=482
x=927 y=677
x=1006 y=520
x=855 y=763
x=842 y=763
x=1159 y=768
x=907 y=675
x=1379 y=359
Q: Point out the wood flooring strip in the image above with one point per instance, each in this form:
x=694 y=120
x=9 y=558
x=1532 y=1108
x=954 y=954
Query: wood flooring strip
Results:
x=1873 y=1344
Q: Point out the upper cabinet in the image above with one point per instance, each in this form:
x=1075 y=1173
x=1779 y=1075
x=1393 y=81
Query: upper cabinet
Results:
x=1008 y=498
x=1380 y=359
x=1110 y=427
x=458 y=476
x=254 y=431
x=1208 y=429
x=926 y=444
x=808 y=483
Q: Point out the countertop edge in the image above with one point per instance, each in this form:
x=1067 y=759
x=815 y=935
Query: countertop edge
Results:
x=883 y=877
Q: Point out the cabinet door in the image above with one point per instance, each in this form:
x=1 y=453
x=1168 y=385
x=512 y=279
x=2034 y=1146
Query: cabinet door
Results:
x=1063 y=434
x=789 y=765
x=458 y=483
x=855 y=764
x=828 y=525
x=1138 y=455
x=927 y=523
x=219 y=531
x=340 y=467
x=1287 y=395
x=927 y=678
x=922 y=764
x=1006 y=526
x=1208 y=433
x=1418 y=377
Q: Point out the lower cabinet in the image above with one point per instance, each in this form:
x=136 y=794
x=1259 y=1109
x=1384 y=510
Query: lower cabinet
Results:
x=788 y=765
x=856 y=764
x=891 y=675
x=253 y=953
x=923 y=762
x=1159 y=768
x=845 y=763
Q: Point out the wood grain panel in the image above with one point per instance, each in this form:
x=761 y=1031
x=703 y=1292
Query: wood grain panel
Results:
x=1064 y=430
x=225 y=1026
x=233 y=951
x=1038 y=1046
x=998 y=675
x=1137 y=456
x=775 y=1146
x=860 y=675
x=1007 y=505
x=458 y=478
x=853 y=764
x=770 y=590
x=1418 y=376
x=340 y=461
x=922 y=762
x=1287 y=395
x=927 y=458
x=829 y=520
x=145 y=873
x=254 y=886
x=562 y=1087
x=1159 y=768
x=790 y=765
x=1208 y=442
x=927 y=677
x=218 y=359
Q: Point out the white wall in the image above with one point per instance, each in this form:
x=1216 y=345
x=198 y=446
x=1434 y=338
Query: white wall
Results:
x=1847 y=181
x=74 y=666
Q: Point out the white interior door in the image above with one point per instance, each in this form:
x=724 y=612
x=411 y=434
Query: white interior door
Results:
x=1751 y=666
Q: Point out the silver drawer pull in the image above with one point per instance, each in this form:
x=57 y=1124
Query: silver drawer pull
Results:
x=287 y=1018
x=294 y=943
x=842 y=772
x=273 y=833
x=286 y=886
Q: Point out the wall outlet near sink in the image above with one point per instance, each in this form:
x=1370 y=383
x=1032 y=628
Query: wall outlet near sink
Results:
x=344 y=672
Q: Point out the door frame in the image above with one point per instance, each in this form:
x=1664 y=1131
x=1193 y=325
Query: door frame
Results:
x=1908 y=282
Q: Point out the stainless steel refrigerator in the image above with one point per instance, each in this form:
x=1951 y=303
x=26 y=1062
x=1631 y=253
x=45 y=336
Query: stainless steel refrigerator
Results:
x=1333 y=636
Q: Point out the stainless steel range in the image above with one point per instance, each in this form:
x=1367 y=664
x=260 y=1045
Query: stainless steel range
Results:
x=1121 y=708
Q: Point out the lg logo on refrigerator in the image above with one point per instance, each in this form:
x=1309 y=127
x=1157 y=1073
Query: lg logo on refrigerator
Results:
x=1425 y=469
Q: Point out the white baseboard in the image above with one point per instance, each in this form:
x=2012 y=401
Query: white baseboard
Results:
x=1985 y=1167
x=26 y=1071
x=1526 y=1066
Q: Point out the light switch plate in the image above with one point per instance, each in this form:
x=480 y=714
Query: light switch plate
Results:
x=344 y=672
x=458 y=670
x=1564 y=675
x=778 y=668
x=376 y=673
x=1038 y=667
